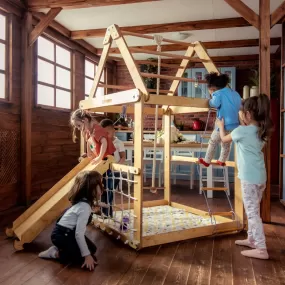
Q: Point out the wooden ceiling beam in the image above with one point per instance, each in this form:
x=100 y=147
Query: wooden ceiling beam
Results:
x=208 y=45
x=66 y=33
x=277 y=15
x=215 y=59
x=167 y=27
x=43 y=24
x=245 y=12
x=36 y=5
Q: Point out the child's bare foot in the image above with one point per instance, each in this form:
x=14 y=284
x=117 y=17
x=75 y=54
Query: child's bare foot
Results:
x=202 y=161
x=51 y=253
x=256 y=253
x=245 y=242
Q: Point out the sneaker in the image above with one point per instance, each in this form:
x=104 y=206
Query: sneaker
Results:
x=221 y=163
x=245 y=242
x=256 y=253
x=202 y=161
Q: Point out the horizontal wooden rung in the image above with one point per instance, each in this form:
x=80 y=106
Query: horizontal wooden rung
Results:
x=167 y=77
x=220 y=214
x=128 y=87
x=168 y=65
x=214 y=189
x=196 y=160
x=127 y=33
x=166 y=54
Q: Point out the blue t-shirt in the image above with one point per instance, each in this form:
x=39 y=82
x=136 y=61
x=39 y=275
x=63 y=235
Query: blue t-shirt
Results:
x=250 y=158
x=228 y=103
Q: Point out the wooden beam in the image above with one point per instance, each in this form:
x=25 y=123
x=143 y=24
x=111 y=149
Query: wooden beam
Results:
x=207 y=45
x=277 y=15
x=107 y=44
x=128 y=58
x=26 y=109
x=63 y=36
x=264 y=87
x=35 y=5
x=167 y=77
x=245 y=12
x=44 y=22
x=247 y=57
x=9 y=7
x=141 y=50
x=167 y=27
x=203 y=54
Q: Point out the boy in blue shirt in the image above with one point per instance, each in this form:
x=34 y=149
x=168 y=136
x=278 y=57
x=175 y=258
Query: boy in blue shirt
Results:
x=228 y=103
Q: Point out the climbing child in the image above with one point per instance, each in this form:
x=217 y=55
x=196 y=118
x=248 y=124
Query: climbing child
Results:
x=250 y=138
x=99 y=145
x=70 y=245
x=227 y=102
x=120 y=157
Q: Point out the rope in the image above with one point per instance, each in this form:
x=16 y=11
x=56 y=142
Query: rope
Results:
x=158 y=40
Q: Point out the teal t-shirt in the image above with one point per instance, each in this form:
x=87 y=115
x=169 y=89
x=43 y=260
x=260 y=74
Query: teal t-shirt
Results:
x=250 y=158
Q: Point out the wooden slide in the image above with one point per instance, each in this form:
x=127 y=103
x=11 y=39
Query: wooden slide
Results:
x=50 y=206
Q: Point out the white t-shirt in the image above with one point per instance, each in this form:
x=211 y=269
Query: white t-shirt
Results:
x=119 y=145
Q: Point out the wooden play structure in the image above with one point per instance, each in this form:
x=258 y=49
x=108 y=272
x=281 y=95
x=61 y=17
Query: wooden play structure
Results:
x=147 y=220
x=136 y=222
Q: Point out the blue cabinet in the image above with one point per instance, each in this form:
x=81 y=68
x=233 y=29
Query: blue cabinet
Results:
x=194 y=90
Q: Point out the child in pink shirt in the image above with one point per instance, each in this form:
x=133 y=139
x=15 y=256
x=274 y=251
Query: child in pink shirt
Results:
x=99 y=145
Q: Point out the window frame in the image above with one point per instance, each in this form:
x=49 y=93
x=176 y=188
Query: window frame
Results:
x=6 y=72
x=88 y=77
x=54 y=86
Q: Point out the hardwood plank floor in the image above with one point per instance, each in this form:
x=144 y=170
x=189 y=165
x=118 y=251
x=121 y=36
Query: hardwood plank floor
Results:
x=202 y=261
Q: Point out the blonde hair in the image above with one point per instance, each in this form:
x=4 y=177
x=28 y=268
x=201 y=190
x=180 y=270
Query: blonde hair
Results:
x=78 y=115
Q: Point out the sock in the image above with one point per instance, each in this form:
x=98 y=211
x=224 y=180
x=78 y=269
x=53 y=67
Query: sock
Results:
x=245 y=242
x=256 y=253
x=50 y=253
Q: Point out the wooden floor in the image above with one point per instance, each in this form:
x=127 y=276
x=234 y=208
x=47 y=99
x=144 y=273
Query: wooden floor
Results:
x=199 y=261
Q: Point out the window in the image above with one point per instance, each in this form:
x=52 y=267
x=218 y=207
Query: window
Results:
x=54 y=75
x=3 y=57
x=90 y=71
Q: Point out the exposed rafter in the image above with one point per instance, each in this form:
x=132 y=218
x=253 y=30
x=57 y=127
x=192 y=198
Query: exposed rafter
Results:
x=245 y=12
x=167 y=27
x=36 y=5
x=170 y=62
x=277 y=15
x=44 y=22
x=208 y=45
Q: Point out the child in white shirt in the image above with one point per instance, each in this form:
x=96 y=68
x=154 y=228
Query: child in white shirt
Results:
x=120 y=157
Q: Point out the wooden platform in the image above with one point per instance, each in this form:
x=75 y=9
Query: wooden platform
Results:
x=199 y=261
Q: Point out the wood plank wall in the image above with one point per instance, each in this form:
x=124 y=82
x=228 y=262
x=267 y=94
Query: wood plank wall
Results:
x=53 y=151
x=10 y=126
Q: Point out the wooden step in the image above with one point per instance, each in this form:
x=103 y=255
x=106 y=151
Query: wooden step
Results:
x=214 y=189
x=220 y=214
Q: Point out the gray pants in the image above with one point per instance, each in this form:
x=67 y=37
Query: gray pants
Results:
x=251 y=196
x=213 y=142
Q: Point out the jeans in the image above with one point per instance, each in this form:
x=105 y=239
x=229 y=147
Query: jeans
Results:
x=108 y=196
x=68 y=249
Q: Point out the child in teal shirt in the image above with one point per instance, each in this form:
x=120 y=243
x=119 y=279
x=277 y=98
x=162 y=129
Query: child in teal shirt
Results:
x=227 y=102
x=250 y=138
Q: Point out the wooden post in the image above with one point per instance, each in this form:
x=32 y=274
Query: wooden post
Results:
x=138 y=163
x=264 y=87
x=26 y=109
x=238 y=195
x=167 y=156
